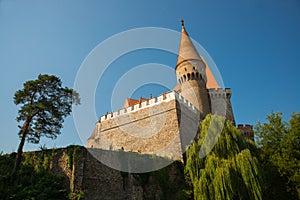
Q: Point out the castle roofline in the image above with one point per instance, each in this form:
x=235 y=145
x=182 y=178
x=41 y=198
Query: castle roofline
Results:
x=165 y=97
x=130 y=102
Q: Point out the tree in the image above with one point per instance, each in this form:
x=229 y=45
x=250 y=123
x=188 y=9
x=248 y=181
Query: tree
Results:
x=44 y=105
x=230 y=170
x=279 y=145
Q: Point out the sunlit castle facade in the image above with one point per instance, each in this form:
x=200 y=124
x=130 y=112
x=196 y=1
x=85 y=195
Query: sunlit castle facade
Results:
x=166 y=125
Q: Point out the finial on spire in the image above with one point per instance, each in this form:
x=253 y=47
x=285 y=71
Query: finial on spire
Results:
x=182 y=22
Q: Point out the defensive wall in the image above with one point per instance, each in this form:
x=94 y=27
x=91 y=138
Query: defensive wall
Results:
x=163 y=126
x=83 y=174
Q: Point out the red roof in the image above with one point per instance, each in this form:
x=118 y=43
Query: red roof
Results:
x=130 y=102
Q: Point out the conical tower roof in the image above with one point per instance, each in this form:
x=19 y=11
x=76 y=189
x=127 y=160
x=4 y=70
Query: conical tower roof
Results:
x=187 y=51
x=211 y=81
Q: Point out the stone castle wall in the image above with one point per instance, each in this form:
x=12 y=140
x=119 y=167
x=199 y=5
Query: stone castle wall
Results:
x=220 y=103
x=83 y=173
x=247 y=131
x=161 y=126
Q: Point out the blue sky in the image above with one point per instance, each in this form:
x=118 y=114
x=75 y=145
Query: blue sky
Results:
x=255 y=44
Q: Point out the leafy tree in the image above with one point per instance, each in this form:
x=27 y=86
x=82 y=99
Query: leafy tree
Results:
x=230 y=170
x=31 y=181
x=44 y=104
x=279 y=144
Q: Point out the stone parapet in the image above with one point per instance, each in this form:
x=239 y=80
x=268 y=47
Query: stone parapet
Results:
x=166 y=97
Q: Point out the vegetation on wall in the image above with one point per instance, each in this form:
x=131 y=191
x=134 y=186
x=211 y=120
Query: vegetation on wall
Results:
x=30 y=181
x=230 y=171
x=36 y=179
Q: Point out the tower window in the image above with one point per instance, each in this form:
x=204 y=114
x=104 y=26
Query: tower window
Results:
x=184 y=77
x=197 y=75
x=193 y=76
x=184 y=69
x=189 y=76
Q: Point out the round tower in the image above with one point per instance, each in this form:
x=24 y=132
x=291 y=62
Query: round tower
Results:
x=191 y=74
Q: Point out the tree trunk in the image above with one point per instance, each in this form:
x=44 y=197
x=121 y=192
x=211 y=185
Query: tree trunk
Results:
x=21 y=145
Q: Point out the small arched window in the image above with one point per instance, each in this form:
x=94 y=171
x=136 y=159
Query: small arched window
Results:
x=193 y=76
x=189 y=76
x=184 y=77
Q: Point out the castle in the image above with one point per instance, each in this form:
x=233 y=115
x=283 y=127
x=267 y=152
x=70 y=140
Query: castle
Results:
x=166 y=125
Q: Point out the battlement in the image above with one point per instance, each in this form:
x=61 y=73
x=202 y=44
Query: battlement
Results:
x=246 y=130
x=245 y=126
x=165 y=97
x=219 y=93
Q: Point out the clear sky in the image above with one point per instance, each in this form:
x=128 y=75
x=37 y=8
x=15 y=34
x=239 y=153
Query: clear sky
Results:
x=255 y=44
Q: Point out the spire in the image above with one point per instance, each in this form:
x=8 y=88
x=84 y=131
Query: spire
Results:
x=187 y=49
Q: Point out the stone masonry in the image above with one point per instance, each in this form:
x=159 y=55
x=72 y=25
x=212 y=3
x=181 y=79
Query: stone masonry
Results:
x=160 y=126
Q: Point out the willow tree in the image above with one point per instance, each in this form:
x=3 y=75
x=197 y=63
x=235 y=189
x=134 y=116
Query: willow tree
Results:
x=44 y=103
x=230 y=170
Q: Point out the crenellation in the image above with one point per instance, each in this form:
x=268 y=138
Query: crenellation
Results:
x=102 y=118
x=136 y=107
x=217 y=93
x=122 y=111
x=246 y=130
x=166 y=97
x=152 y=101
x=108 y=116
x=160 y=98
x=116 y=113
x=144 y=103
x=128 y=109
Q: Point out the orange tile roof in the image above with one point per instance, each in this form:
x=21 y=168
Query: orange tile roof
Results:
x=130 y=102
x=177 y=88
x=211 y=81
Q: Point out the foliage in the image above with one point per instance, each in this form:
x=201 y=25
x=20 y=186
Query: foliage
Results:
x=279 y=144
x=72 y=152
x=77 y=195
x=44 y=103
x=34 y=179
x=28 y=182
x=230 y=170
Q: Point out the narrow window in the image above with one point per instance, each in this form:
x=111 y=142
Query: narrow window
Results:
x=193 y=76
